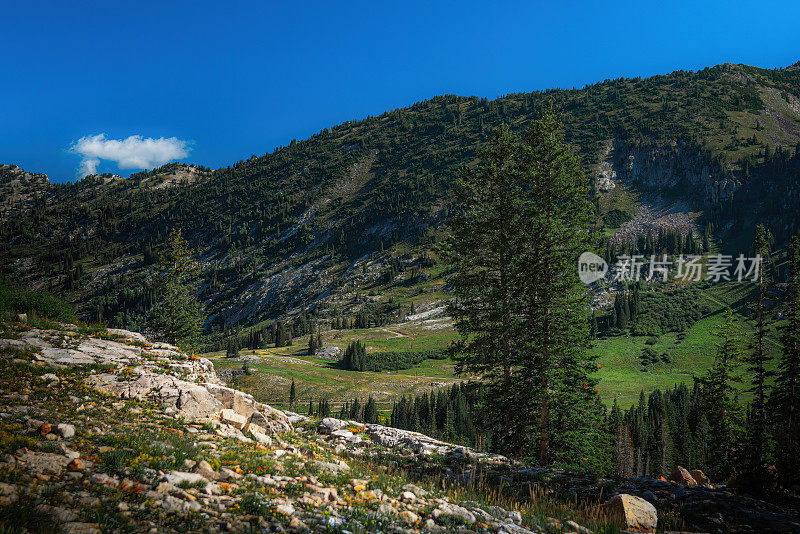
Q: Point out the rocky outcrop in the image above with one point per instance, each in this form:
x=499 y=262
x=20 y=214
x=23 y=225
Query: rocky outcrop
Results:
x=699 y=477
x=187 y=398
x=637 y=501
x=245 y=405
x=634 y=513
x=331 y=352
x=156 y=372
x=668 y=166
x=682 y=476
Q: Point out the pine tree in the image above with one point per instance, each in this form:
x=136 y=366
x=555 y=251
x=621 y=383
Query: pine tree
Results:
x=355 y=410
x=555 y=219
x=371 y=411
x=720 y=401
x=665 y=448
x=785 y=398
x=522 y=311
x=292 y=396
x=280 y=335
x=759 y=359
x=312 y=345
x=624 y=452
x=178 y=316
x=484 y=281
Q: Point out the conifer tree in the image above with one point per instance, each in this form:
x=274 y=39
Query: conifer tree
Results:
x=759 y=359
x=720 y=398
x=280 y=335
x=485 y=282
x=178 y=316
x=785 y=398
x=521 y=310
x=292 y=395
x=371 y=411
x=355 y=410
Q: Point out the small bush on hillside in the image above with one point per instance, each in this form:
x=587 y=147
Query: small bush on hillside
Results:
x=616 y=218
x=40 y=303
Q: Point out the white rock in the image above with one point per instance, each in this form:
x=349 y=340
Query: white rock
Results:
x=633 y=512
x=285 y=509
x=408 y=497
x=416 y=490
x=232 y=418
x=342 y=433
x=65 y=430
x=182 y=477
x=409 y=517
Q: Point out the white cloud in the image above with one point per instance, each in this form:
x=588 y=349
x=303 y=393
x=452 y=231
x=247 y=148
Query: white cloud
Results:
x=135 y=152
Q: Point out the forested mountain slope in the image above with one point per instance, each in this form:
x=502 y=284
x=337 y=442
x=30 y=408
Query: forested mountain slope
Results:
x=294 y=229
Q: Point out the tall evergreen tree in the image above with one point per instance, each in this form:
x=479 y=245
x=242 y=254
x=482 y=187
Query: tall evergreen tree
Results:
x=785 y=398
x=484 y=282
x=371 y=411
x=292 y=395
x=178 y=316
x=280 y=334
x=521 y=310
x=720 y=399
x=758 y=359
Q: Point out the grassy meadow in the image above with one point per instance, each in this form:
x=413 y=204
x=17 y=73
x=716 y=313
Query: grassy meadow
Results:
x=621 y=372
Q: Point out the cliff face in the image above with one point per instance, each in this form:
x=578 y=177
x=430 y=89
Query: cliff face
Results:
x=678 y=168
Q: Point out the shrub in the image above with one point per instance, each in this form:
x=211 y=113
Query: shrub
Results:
x=616 y=218
x=41 y=303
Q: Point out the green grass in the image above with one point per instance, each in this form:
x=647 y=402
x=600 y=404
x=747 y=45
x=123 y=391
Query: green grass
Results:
x=622 y=374
x=316 y=379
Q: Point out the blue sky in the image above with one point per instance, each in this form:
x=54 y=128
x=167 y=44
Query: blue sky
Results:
x=231 y=79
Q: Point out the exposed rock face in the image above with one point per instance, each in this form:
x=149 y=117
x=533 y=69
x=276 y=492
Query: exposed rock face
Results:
x=665 y=167
x=395 y=438
x=329 y=353
x=635 y=513
x=682 y=476
x=605 y=177
x=255 y=412
x=190 y=399
x=155 y=372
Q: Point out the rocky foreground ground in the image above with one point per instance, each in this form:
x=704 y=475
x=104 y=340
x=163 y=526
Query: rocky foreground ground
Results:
x=105 y=431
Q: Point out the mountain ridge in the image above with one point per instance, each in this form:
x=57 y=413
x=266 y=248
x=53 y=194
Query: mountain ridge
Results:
x=279 y=233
